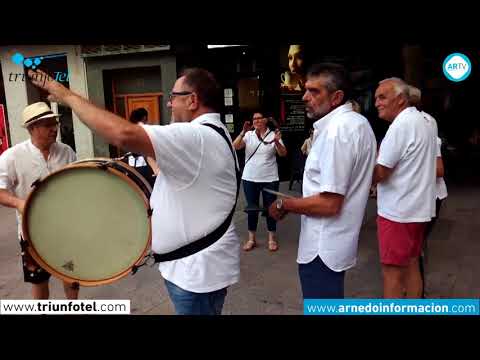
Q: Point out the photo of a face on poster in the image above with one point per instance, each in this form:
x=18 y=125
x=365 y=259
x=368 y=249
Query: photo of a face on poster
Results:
x=293 y=79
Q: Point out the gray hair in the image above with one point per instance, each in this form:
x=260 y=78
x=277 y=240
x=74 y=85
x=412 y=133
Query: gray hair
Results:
x=399 y=86
x=415 y=95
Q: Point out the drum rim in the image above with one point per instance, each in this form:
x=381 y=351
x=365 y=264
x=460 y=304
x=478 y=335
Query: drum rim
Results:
x=69 y=279
x=119 y=162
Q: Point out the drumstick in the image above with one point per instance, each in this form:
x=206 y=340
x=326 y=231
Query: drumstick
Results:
x=278 y=193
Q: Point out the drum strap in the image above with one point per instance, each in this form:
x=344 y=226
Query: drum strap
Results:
x=215 y=235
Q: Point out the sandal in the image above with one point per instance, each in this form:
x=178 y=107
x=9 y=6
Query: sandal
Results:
x=272 y=245
x=249 y=245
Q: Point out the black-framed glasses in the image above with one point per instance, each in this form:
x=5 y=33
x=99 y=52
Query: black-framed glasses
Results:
x=178 y=93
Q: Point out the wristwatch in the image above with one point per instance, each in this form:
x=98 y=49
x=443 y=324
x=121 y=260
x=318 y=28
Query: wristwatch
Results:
x=279 y=204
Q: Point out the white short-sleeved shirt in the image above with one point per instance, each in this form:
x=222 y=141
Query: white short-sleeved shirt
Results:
x=341 y=161
x=192 y=196
x=440 y=185
x=23 y=164
x=262 y=166
x=410 y=149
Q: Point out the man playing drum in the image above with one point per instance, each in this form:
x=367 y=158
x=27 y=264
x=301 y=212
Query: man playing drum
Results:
x=195 y=191
x=23 y=164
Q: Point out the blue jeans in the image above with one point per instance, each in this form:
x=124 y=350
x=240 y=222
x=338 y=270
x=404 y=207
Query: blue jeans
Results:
x=190 y=303
x=252 y=194
x=319 y=281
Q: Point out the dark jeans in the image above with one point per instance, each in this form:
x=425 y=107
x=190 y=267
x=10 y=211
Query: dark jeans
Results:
x=320 y=282
x=252 y=194
x=428 y=231
x=190 y=303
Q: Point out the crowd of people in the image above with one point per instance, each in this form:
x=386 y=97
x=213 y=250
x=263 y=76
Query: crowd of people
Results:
x=189 y=161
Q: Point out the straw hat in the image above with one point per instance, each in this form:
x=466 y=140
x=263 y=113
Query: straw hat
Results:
x=35 y=112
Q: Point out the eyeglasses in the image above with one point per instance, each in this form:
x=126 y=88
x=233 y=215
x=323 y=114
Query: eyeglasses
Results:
x=178 y=93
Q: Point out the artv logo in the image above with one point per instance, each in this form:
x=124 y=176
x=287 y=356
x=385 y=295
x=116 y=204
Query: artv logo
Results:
x=457 y=67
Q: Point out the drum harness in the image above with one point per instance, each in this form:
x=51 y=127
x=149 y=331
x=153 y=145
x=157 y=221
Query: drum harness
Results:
x=207 y=240
x=195 y=246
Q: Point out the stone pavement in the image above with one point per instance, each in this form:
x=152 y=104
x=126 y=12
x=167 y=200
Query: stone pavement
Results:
x=269 y=281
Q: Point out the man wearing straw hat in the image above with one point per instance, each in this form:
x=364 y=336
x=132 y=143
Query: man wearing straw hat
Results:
x=23 y=164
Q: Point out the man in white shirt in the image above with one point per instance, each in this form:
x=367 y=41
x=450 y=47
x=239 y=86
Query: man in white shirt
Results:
x=336 y=184
x=441 y=187
x=405 y=173
x=195 y=191
x=23 y=164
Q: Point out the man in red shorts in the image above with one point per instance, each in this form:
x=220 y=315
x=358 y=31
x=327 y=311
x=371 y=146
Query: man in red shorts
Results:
x=405 y=173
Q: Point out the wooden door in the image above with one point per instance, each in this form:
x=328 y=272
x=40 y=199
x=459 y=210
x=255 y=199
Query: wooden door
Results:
x=148 y=102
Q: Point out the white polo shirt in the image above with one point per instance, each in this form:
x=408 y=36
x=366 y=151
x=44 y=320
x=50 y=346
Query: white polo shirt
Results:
x=409 y=148
x=441 y=187
x=341 y=161
x=192 y=196
x=23 y=164
x=262 y=166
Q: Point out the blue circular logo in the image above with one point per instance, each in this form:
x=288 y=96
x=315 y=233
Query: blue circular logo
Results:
x=457 y=67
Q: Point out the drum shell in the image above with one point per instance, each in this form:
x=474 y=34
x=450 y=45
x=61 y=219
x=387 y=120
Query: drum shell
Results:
x=119 y=170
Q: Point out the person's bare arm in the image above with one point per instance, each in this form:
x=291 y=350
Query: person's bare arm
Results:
x=113 y=128
x=303 y=149
x=281 y=149
x=325 y=204
x=380 y=174
x=9 y=200
x=440 y=168
x=153 y=164
x=238 y=143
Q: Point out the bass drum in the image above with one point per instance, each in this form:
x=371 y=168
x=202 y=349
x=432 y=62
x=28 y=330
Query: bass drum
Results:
x=89 y=223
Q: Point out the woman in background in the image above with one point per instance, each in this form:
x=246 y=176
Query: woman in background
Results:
x=262 y=144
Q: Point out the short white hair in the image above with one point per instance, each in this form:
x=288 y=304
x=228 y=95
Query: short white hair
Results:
x=399 y=86
x=415 y=94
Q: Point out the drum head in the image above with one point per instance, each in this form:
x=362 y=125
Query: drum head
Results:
x=87 y=225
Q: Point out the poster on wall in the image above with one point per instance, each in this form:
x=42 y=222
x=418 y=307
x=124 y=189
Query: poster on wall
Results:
x=3 y=130
x=292 y=88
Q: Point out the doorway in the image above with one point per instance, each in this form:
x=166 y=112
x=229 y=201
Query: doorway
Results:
x=130 y=89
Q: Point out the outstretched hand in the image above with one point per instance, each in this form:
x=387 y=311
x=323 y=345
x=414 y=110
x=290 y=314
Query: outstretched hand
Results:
x=44 y=81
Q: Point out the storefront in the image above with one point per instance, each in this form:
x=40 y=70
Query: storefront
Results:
x=268 y=78
x=271 y=78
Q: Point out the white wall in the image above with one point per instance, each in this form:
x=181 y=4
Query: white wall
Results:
x=16 y=91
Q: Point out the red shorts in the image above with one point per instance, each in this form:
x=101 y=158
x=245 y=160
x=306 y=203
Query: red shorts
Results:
x=399 y=242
